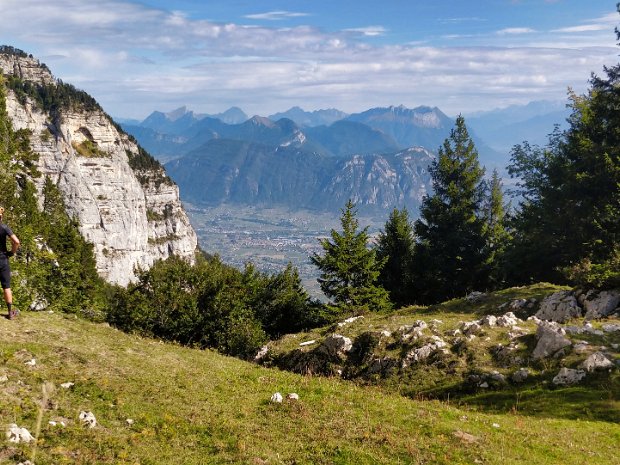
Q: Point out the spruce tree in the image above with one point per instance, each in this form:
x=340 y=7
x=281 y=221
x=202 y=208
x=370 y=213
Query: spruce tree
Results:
x=496 y=234
x=570 y=190
x=349 y=269
x=450 y=252
x=395 y=246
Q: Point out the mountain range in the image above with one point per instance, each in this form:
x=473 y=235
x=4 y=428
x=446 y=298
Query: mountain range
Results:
x=294 y=158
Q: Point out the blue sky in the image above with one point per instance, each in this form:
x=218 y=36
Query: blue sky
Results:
x=266 y=56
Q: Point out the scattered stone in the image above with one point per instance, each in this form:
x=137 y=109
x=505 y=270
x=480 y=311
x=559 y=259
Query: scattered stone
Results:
x=27 y=462
x=600 y=304
x=38 y=304
x=307 y=343
x=413 y=331
x=88 y=419
x=276 y=398
x=454 y=333
x=559 y=307
x=67 y=385
x=596 y=361
x=568 y=376
x=129 y=421
x=32 y=362
x=465 y=437
x=337 y=345
x=349 y=320
x=385 y=333
x=497 y=377
x=507 y=319
x=610 y=328
x=261 y=353
x=520 y=375
x=475 y=296
x=484 y=385
x=292 y=396
x=4 y=378
x=581 y=347
x=17 y=434
x=488 y=320
x=574 y=330
x=495 y=425
x=471 y=328
x=551 y=338
x=422 y=353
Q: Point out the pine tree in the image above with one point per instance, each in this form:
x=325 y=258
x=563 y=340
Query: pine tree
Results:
x=395 y=246
x=450 y=252
x=349 y=270
x=496 y=233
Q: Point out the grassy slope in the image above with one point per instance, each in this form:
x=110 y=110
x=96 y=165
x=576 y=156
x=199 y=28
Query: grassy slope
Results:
x=197 y=407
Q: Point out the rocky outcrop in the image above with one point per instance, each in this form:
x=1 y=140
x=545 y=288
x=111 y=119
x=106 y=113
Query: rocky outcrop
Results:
x=551 y=338
x=600 y=304
x=559 y=307
x=132 y=218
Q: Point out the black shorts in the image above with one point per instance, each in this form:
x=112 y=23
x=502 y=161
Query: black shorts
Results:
x=5 y=272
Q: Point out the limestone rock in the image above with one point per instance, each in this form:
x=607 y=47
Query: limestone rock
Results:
x=520 y=375
x=610 y=328
x=349 y=320
x=88 y=419
x=276 y=398
x=422 y=353
x=600 y=304
x=597 y=361
x=559 y=307
x=292 y=396
x=568 y=376
x=132 y=218
x=17 y=434
x=488 y=320
x=471 y=328
x=551 y=338
x=507 y=319
x=337 y=345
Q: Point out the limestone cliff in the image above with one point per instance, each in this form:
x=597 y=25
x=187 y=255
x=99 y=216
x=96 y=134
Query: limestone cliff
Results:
x=130 y=211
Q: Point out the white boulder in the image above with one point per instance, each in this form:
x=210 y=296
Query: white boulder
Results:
x=17 y=434
x=276 y=398
x=568 y=376
x=600 y=304
x=88 y=419
x=551 y=338
x=597 y=361
x=559 y=307
x=507 y=319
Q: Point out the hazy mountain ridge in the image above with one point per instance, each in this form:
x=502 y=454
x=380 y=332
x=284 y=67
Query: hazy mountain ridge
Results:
x=228 y=171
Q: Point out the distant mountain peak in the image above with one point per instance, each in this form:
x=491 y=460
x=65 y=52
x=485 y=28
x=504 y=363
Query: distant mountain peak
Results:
x=176 y=114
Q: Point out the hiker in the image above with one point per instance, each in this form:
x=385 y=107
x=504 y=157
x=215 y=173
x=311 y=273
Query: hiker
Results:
x=5 y=268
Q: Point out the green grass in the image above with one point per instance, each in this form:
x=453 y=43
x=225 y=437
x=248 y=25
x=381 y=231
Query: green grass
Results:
x=198 y=407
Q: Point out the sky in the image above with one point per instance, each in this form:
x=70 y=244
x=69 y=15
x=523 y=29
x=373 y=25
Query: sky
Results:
x=266 y=56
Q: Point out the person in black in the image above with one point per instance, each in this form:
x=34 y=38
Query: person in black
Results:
x=5 y=268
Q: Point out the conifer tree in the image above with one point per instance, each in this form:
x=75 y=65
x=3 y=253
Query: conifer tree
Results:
x=450 y=252
x=349 y=269
x=395 y=246
x=570 y=213
x=496 y=233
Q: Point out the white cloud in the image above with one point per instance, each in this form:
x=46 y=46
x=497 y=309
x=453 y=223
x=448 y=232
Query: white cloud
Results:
x=276 y=15
x=369 y=31
x=515 y=31
x=136 y=59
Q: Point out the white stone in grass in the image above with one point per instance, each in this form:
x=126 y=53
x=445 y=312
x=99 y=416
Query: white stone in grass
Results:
x=32 y=362
x=495 y=425
x=292 y=396
x=16 y=434
x=276 y=398
x=88 y=419
x=597 y=361
x=307 y=343
x=520 y=375
x=67 y=385
x=568 y=376
x=4 y=378
x=129 y=421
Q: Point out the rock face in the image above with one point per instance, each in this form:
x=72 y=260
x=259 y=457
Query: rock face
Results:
x=600 y=304
x=559 y=307
x=551 y=338
x=132 y=217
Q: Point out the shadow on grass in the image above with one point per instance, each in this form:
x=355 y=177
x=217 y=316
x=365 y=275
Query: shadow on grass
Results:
x=572 y=403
